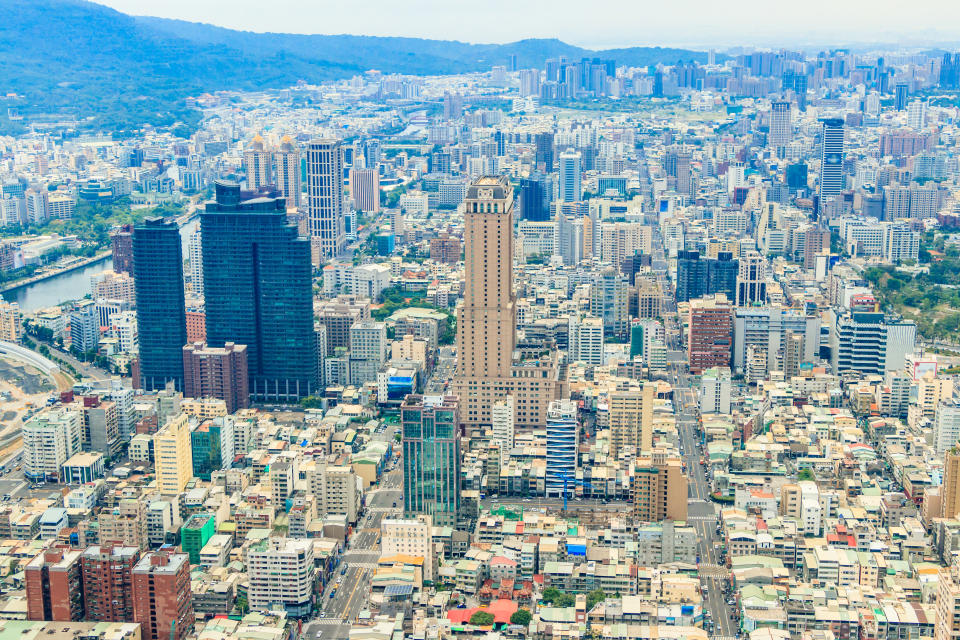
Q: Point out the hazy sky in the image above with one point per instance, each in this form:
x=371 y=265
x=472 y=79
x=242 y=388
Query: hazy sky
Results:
x=592 y=23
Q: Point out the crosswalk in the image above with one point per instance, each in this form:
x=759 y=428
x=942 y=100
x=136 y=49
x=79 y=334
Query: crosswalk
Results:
x=713 y=571
x=328 y=621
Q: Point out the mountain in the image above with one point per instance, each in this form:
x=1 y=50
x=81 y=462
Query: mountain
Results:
x=110 y=70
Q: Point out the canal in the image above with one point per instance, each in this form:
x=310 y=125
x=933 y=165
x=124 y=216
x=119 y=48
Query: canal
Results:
x=75 y=284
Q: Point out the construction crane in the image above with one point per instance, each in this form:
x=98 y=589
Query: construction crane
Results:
x=579 y=483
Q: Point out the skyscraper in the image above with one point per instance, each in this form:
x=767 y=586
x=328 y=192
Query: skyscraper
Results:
x=544 y=152
x=571 y=189
x=174 y=464
x=831 y=159
x=258 y=292
x=121 y=241
x=161 y=319
x=259 y=164
x=365 y=189
x=902 y=92
x=325 y=207
x=195 y=258
x=431 y=457
x=711 y=333
x=781 y=128
x=286 y=161
x=486 y=321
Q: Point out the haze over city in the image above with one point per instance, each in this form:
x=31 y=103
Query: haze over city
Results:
x=490 y=321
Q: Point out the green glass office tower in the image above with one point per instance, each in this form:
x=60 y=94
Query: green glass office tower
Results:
x=161 y=317
x=258 y=291
x=431 y=457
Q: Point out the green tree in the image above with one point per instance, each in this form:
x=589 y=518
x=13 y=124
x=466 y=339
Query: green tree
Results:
x=482 y=619
x=521 y=617
x=594 y=597
x=311 y=402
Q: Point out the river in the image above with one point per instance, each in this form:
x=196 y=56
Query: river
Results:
x=75 y=284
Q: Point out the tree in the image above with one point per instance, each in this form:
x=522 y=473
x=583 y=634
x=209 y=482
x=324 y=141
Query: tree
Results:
x=594 y=597
x=482 y=619
x=805 y=475
x=521 y=617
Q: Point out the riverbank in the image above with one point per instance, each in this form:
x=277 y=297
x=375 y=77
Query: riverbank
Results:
x=73 y=266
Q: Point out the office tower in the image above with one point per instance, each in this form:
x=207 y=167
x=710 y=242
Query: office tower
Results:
x=162 y=599
x=486 y=324
x=751 y=279
x=161 y=323
x=869 y=342
x=452 y=106
x=49 y=439
x=258 y=292
x=691 y=276
x=107 y=578
x=917 y=115
x=533 y=205
x=608 y=301
x=571 y=189
x=631 y=417
x=53 y=586
x=325 y=206
x=563 y=441
x=217 y=372
x=902 y=93
x=365 y=189
x=586 y=340
x=195 y=259
x=781 y=127
x=431 y=457
x=722 y=275
x=950 y=489
x=287 y=163
x=710 y=333
x=212 y=446
x=281 y=573
x=658 y=488
x=171 y=452
x=368 y=351
x=121 y=241
x=831 y=159
x=258 y=162
x=544 y=154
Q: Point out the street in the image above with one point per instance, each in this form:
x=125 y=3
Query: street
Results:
x=702 y=514
x=358 y=563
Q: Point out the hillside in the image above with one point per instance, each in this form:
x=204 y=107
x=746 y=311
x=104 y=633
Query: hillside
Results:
x=71 y=58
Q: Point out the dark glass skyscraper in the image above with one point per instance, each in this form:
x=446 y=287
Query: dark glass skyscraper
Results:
x=431 y=458
x=258 y=291
x=161 y=317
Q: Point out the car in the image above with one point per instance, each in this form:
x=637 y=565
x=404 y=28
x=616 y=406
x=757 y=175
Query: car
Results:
x=323 y=614
x=333 y=593
x=343 y=571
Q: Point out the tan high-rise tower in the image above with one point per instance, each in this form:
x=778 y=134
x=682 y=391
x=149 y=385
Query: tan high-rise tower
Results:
x=486 y=320
x=287 y=161
x=486 y=325
x=950 y=490
x=259 y=164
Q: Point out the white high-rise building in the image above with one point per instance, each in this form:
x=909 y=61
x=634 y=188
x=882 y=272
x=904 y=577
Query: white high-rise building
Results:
x=325 y=202
x=917 y=115
x=49 y=439
x=781 y=126
x=195 y=259
x=563 y=439
x=281 y=572
x=586 y=340
x=946 y=427
x=715 y=391
x=502 y=422
x=571 y=189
